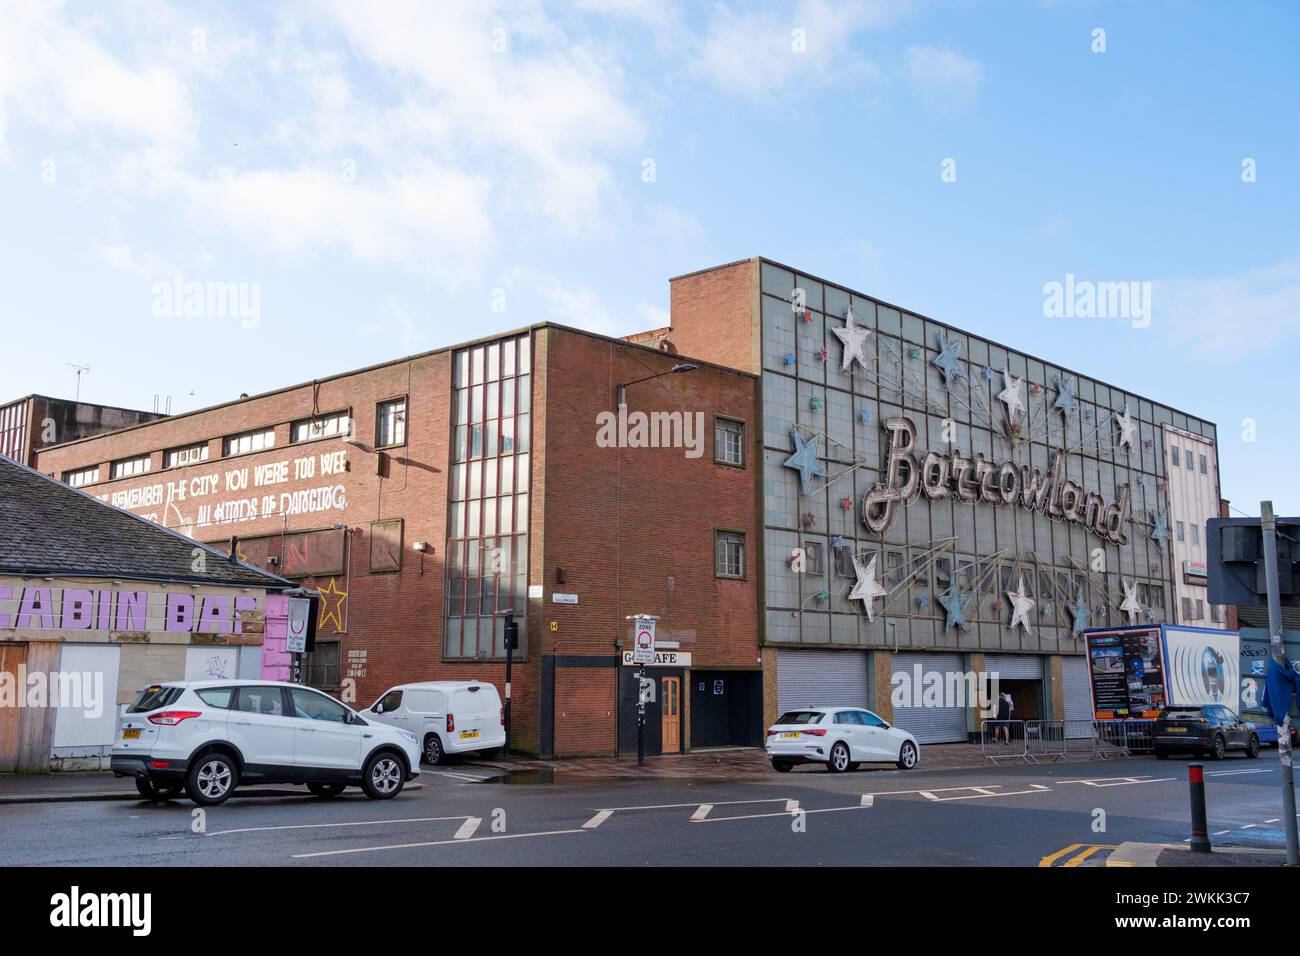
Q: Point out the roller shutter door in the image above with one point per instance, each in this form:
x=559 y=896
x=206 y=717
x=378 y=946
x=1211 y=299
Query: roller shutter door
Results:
x=1014 y=666
x=821 y=679
x=1078 y=694
x=930 y=725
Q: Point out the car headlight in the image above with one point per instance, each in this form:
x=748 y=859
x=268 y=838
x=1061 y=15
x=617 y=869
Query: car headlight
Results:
x=409 y=736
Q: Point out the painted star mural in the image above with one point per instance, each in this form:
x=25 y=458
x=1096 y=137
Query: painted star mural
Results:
x=1012 y=395
x=947 y=359
x=805 y=459
x=854 y=338
x=1066 y=401
x=1079 y=612
x=1127 y=428
x=1021 y=605
x=955 y=605
x=1130 y=605
x=866 y=589
x=1160 y=532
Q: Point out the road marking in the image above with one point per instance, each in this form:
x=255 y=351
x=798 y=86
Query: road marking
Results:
x=468 y=827
x=598 y=819
x=680 y=806
x=1118 y=781
x=463 y=777
x=701 y=812
x=324 y=826
x=1081 y=852
x=1233 y=773
x=1221 y=832
x=1248 y=826
x=868 y=800
x=1080 y=857
x=410 y=846
x=1274 y=820
x=1052 y=858
x=982 y=792
x=768 y=816
x=791 y=806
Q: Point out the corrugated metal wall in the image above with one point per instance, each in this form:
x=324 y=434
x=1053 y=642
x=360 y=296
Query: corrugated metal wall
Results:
x=822 y=679
x=930 y=725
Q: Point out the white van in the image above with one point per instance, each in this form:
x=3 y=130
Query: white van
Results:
x=446 y=716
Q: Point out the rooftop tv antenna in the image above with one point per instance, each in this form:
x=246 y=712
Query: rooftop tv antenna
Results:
x=80 y=369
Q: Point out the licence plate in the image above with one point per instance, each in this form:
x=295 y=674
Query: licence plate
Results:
x=1176 y=730
x=132 y=733
x=467 y=734
x=789 y=734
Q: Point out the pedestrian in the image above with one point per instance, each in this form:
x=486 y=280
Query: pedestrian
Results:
x=1005 y=706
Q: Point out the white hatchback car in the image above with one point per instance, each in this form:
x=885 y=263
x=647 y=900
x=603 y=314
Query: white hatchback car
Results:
x=841 y=738
x=210 y=736
x=446 y=716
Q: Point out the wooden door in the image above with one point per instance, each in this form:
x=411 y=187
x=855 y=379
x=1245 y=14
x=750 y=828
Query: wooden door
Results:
x=11 y=656
x=671 y=711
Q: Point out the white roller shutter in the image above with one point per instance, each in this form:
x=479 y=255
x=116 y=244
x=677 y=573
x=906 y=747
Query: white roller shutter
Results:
x=930 y=725
x=1078 y=694
x=821 y=679
x=1014 y=666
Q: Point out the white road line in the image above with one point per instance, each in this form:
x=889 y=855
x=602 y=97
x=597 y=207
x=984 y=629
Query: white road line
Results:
x=701 y=812
x=766 y=816
x=982 y=793
x=868 y=800
x=410 y=846
x=467 y=828
x=1118 y=781
x=598 y=819
x=680 y=806
x=463 y=777
x=1248 y=826
x=1221 y=832
x=1274 y=820
x=1233 y=773
x=791 y=806
x=324 y=826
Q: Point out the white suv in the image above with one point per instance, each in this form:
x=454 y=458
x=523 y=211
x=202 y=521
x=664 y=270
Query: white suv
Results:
x=210 y=736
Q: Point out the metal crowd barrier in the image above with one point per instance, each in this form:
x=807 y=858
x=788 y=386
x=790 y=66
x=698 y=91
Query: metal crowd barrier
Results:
x=1049 y=741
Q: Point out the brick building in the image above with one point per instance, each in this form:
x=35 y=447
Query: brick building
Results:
x=427 y=497
x=33 y=422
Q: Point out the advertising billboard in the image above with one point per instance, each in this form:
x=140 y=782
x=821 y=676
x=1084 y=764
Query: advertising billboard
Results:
x=1203 y=666
x=1126 y=671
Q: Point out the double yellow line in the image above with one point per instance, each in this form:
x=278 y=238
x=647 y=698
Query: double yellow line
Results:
x=1081 y=852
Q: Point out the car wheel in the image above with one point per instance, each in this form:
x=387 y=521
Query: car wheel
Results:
x=782 y=766
x=854 y=766
x=907 y=755
x=1252 y=748
x=1219 y=749
x=433 y=752
x=212 y=778
x=383 y=776
x=326 y=791
x=839 y=761
x=151 y=791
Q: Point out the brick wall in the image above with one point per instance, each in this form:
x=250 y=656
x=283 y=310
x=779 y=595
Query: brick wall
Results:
x=715 y=315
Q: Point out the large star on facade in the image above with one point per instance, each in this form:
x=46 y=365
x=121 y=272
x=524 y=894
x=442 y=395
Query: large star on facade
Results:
x=854 y=337
x=1012 y=395
x=866 y=589
x=1066 y=402
x=1160 y=532
x=1079 y=612
x=1127 y=428
x=331 y=606
x=1021 y=605
x=955 y=605
x=805 y=460
x=946 y=361
x=1130 y=604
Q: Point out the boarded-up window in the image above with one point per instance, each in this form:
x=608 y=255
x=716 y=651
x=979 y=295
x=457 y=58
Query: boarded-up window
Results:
x=299 y=555
x=386 y=545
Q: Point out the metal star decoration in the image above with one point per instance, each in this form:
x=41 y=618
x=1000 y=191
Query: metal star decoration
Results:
x=1012 y=395
x=1127 y=428
x=1079 y=611
x=1066 y=402
x=866 y=589
x=805 y=460
x=1021 y=605
x=955 y=605
x=854 y=337
x=1161 y=531
x=946 y=361
x=1130 y=605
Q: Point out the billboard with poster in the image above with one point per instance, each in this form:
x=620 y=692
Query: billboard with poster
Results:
x=1203 y=666
x=1135 y=671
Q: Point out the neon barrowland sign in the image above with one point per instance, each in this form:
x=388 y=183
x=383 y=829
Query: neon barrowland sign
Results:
x=941 y=476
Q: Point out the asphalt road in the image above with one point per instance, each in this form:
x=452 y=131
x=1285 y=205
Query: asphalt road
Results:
x=467 y=815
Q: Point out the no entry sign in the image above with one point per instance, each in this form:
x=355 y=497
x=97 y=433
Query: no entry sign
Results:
x=643 y=645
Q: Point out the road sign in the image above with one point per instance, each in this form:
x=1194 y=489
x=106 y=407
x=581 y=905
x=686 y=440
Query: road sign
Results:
x=299 y=619
x=643 y=645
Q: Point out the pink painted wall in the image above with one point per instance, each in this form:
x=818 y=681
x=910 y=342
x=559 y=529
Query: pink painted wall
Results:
x=276 y=661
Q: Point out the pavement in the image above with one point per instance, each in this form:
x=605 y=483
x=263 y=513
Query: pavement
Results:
x=498 y=814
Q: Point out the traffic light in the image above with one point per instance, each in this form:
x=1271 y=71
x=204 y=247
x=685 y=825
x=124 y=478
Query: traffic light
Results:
x=1234 y=549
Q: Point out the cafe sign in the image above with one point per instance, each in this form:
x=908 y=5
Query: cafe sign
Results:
x=951 y=475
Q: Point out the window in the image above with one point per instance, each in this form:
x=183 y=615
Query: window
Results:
x=813 y=552
x=81 y=478
x=1203 y=465
x=1173 y=454
x=1186 y=605
x=800 y=717
x=1188 y=459
x=219 y=697
x=730 y=555
x=189 y=455
x=1180 y=530
x=846 y=717
x=1200 y=609
x=129 y=467
x=390 y=423
x=314 y=705
x=843 y=561
x=388 y=703
x=261 y=700
x=728 y=441
x=321 y=666
x=323 y=426
x=1196 y=534
x=246 y=442
x=153 y=697
x=868 y=719
x=1216 y=613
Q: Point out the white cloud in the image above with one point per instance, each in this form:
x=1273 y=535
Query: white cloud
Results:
x=944 y=78
x=542 y=296
x=1232 y=316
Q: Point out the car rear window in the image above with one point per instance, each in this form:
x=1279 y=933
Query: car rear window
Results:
x=800 y=717
x=1182 y=713
x=153 y=697
x=219 y=697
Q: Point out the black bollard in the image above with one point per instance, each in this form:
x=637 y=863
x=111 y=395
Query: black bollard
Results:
x=1200 y=829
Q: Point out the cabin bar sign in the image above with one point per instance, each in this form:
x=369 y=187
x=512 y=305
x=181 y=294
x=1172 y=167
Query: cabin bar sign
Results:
x=951 y=475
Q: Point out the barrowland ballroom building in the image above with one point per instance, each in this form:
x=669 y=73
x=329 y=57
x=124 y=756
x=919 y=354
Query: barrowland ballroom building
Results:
x=933 y=502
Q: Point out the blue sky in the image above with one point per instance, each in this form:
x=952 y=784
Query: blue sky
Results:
x=377 y=174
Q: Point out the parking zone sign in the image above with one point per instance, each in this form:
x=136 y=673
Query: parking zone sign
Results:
x=643 y=646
